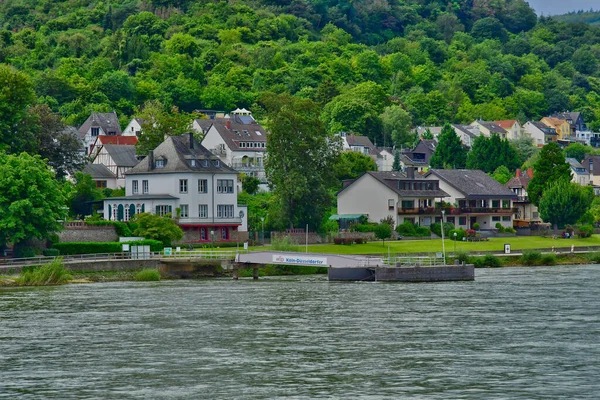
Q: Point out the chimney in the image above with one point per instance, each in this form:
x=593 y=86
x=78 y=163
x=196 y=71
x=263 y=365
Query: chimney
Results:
x=518 y=173
x=150 y=160
x=530 y=172
x=191 y=140
x=410 y=172
x=228 y=124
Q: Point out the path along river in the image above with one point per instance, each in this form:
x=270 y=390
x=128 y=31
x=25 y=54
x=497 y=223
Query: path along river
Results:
x=514 y=333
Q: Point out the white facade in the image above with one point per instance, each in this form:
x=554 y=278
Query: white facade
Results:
x=134 y=128
x=385 y=160
x=538 y=136
x=368 y=196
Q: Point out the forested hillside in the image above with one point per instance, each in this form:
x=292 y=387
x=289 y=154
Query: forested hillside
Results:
x=588 y=17
x=369 y=64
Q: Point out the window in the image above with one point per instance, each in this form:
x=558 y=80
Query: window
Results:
x=202 y=186
x=138 y=209
x=495 y=219
x=224 y=233
x=203 y=234
x=410 y=220
x=183 y=185
x=408 y=204
x=160 y=163
x=95 y=131
x=163 y=210
x=193 y=163
x=145 y=187
x=495 y=203
x=451 y=220
x=506 y=218
x=100 y=184
x=462 y=221
x=203 y=211
x=505 y=203
x=391 y=204
x=134 y=187
x=126 y=212
x=205 y=163
x=225 y=211
x=224 y=185
x=114 y=212
x=184 y=211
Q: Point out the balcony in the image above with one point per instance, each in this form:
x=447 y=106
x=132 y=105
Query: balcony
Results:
x=210 y=221
x=456 y=210
x=522 y=199
x=242 y=166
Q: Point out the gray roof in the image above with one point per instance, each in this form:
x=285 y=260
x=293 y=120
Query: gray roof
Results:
x=474 y=184
x=492 y=126
x=577 y=167
x=435 y=130
x=467 y=130
x=108 y=122
x=179 y=151
x=357 y=140
x=98 y=171
x=573 y=116
x=204 y=124
x=544 y=128
x=143 y=197
x=391 y=179
x=122 y=155
x=242 y=128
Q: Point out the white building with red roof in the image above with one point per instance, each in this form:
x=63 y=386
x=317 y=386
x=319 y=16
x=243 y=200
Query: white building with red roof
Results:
x=512 y=127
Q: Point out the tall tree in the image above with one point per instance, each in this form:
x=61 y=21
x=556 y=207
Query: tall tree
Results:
x=488 y=154
x=31 y=203
x=550 y=167
x=84 y=193
x=564 y=202
x=396 y=166
x=352 y=164
x=397 y=127
x=449 y=152
x=301 y=159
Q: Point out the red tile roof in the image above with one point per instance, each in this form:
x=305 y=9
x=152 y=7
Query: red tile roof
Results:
x=506 y=124
x=119 y=139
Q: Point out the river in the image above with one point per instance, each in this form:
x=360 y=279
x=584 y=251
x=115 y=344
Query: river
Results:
x=513 y=333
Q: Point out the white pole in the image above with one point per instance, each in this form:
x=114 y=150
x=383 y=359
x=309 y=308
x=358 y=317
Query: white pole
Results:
x=443 y=246
x=307 y=238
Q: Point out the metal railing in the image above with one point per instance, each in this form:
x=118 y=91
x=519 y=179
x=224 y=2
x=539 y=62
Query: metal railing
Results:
x=413 y=261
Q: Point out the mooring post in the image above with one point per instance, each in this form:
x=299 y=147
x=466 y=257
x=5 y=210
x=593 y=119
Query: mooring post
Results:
x=255 y=273
x=236 y=274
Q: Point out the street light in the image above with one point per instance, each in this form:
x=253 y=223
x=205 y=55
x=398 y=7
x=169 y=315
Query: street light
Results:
x=454 y=244
x=443 y=246
x=262 y=220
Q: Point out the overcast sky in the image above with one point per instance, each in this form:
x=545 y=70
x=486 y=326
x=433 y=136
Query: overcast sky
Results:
x=551 y=7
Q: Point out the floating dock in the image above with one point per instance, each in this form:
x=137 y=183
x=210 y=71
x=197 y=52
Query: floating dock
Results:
x=438 y=273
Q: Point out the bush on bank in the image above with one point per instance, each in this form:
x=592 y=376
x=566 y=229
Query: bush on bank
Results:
x=54 y=273
x=70 y=248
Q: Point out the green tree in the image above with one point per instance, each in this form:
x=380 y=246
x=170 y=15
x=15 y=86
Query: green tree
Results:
x=32 y=203
x=564 y=202
x=85 y=192
x=383 y=231
x=158 y=124
x=487 y=154
x=550 y=167
x=397 y=125
x=352 y=164
x=428 y=135
x=396 y=166
x=577 y=151
x=449 y=152
x=250 y=184
x=301 y=159
x=152 y=226
x=525 y=148
x=502 y=174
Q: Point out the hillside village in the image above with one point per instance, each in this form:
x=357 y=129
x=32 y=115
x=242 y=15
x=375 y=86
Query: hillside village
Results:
x=197 y=176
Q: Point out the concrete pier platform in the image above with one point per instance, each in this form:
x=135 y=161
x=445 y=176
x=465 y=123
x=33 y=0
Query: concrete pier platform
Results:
x=440 y=273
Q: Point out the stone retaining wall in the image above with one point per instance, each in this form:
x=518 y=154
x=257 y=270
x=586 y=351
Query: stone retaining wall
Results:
x=81 y=232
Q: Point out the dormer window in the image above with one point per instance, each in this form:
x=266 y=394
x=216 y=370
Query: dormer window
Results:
x=193 y=163
x=205 y=163
x=95 y=131
x=160 y=163
x=217 y=163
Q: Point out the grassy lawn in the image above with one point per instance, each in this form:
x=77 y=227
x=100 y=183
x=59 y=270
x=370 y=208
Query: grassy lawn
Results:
x=431 y=246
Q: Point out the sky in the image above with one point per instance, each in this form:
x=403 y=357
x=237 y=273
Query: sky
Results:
x=553 y=7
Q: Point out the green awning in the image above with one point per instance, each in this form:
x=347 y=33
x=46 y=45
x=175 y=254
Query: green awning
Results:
x=337 y=217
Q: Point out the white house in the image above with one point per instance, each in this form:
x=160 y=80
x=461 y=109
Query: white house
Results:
x=385 y=158
x=466 y=133
x=488 y=128
x=101 y=175
x=182 y=179
x=239 y=141
x=512 y=127
x=118 y=159
x=579 y=174
x=134 y=128
x=540 y=133
x=98 y=124
x=474 y=197
x=380 y=195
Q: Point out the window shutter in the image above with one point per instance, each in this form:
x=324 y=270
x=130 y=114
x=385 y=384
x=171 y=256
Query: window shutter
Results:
x=157 y=210
x=109 y=212
x=131 y=210
x=120 y=212
x=143 y=208
x=170 y=211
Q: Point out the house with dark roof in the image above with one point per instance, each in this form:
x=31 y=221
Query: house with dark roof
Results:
x=98 y=124
x=562 y=127
x=466 y=133
x=488 y=128
x=101 y=175
x=575 y=120
x=474 y=197
x=182 y=179
x=579 y=174
x=418 y=158
x=116 y=140
x=358 y=143
x=238 y=140
x=118 y=159
x=525 y=211
x=540 y=133
x=134 y=128
x=404 y=197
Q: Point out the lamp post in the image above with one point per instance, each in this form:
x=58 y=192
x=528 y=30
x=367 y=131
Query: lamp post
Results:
x=262 y=220
x=454 y=244
x=443 y=246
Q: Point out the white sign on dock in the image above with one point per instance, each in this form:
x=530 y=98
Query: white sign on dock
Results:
x=299 y=260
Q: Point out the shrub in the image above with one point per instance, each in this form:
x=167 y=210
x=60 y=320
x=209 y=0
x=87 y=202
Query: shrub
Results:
x=51 y=252
x=49 y=274
x=510 y=230
x=410 y=229
x=147 y=275
x=366 y=227
x=69 y=248
x=594 y=257
x=585 y=231
x=462 y=257
x=470 y=233
x=531 y=257
x=489 y=260
x=284 y=243
x=360 y=240
x=476 y=226
x=24 y=251
x=548 y=259
x=500 y=228
x=437 y=228
x=460 y=234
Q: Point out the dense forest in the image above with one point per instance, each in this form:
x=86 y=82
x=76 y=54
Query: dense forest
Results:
x=370 y=65
x=589 y=17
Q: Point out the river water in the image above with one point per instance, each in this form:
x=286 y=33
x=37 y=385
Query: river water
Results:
x=514 y=333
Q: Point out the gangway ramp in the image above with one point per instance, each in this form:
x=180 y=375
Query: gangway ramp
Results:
x=309 y=259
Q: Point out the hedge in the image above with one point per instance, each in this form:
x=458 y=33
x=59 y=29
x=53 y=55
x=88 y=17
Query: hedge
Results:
x=70 y=248
x=410 y=229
